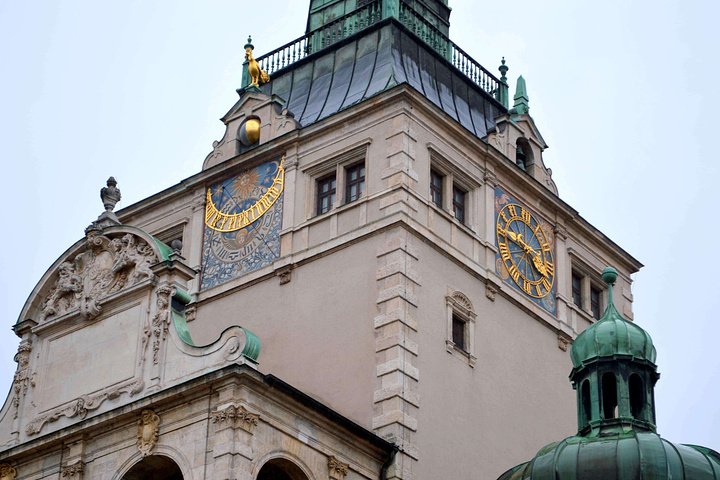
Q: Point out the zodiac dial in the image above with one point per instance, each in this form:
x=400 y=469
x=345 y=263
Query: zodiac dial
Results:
x=525 y=250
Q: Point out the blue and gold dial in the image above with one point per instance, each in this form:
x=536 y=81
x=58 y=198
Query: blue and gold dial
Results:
x=525 y=250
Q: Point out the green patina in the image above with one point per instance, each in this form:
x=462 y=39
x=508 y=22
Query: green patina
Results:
x=614 y=373
x=180 y=300
x=504 y=95
x=522 y=102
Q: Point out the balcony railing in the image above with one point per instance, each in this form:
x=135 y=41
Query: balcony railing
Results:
x=370 y=14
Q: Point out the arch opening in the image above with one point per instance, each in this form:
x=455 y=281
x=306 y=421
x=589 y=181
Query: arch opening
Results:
x=585 y=400
x=281 y=469
x=609 y=396
x=154 y=467
x=637 y=397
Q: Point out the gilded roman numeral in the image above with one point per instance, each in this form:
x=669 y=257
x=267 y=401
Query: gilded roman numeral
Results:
x=546 y=283
x=525 y=215
x=527 y=286
x=504 y=251
x=511 y=209
x=514 y=272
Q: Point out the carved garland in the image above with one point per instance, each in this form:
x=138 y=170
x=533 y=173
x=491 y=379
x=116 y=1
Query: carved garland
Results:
x=23 y=377
x=161 y=320
x=84 y=404
x=107 y=265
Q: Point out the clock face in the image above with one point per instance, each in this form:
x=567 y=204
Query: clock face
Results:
x=526 y=251
x=243 y=217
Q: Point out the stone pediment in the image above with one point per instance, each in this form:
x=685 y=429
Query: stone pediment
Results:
x=104 y=263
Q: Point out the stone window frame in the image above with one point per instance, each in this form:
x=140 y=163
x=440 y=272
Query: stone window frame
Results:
x=459 y=306
x=337 y=166
x=589 y=279
x=453 y=178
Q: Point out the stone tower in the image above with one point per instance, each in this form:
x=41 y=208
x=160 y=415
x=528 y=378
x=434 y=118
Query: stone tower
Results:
x=371 y=276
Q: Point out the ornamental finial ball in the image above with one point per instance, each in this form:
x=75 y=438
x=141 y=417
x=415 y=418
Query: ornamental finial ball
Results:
x=609 y=275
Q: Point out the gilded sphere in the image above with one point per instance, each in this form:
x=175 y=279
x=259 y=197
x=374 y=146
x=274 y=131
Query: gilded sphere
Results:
x=250 y=132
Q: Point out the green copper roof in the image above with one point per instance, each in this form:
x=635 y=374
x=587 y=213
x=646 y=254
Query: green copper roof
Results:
x=612 y=335
x=628 y=456
x=522 y=102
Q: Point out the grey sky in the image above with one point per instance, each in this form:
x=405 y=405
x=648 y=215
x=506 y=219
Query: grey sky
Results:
x=623 y=92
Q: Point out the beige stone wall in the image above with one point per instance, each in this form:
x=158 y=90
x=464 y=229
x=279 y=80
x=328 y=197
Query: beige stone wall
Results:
x=225 y=426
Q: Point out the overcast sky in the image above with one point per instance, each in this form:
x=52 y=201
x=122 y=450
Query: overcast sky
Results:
x=624 y=93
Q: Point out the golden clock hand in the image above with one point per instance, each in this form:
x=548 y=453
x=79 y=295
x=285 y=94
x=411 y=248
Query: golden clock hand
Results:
x=540 y=266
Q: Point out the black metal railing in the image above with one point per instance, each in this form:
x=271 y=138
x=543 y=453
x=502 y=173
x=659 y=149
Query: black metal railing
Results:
x=368 y=15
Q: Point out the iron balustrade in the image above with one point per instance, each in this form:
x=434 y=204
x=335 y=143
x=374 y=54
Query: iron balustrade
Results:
x=368 y=15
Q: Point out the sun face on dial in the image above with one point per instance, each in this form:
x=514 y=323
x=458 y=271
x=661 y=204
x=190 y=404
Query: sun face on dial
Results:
x=525 y=250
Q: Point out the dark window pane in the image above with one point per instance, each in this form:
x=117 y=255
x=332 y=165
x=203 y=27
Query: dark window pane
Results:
x=595 y=302
x=577 y=289
x=458 y=332
x=436 y=188
x=355 y=183
x=459 y=204
x=326 y=194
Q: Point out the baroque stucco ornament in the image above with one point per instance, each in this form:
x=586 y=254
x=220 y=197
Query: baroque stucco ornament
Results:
x=236 y=417
x=161 y=320
x=23 y=377
x=148 y=431
x=338 y=469
x=7 y=472
x=107 y=265
x=74 y=471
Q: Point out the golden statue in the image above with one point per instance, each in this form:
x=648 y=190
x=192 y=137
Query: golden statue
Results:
x=257 y=75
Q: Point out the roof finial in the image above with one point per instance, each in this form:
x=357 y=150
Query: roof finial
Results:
x=609 y=275
x=249 y=43
x=503 y=89
x=521 y=105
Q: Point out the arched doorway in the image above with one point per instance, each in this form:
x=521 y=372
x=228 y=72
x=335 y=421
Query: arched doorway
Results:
x=281 y=469
x=154 y=467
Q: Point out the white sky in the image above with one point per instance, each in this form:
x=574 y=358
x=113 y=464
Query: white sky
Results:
x=623 y=92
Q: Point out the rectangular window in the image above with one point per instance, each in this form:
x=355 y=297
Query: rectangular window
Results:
x=436 y=188
x=595 y=302
x=354 y=182
x=458 y=332
x=325 y=194
x=577 y=289
x=459 y=204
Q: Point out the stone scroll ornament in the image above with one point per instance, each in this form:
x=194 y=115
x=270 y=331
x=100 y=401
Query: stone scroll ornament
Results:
x=105 y=266
x=148 y=431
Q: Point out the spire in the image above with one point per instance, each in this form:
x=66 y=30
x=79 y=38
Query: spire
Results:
x=521 y=105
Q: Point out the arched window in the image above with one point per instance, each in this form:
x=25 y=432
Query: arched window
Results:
x=609 y=396
x=281 y=469
x=637 y=397
x=523 y=153
x=154 y=467
x=585 y=398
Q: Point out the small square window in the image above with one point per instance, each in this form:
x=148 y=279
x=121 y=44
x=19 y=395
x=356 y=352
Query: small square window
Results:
x=354 y=182
x=459 y=204
x=325 y=194
x=436 y=188
x=577 y=289
x=595 y=302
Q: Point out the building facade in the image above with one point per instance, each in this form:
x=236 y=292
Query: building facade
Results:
x=372 y=276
